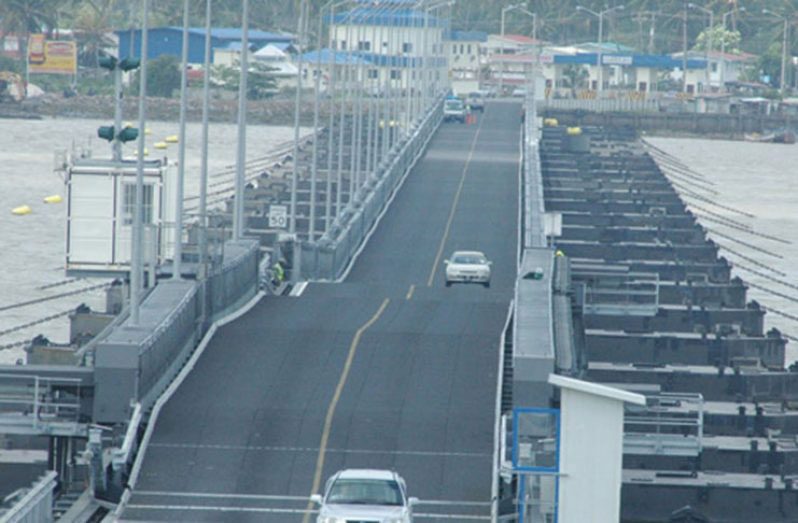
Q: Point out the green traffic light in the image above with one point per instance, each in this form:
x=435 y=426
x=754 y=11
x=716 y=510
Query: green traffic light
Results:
x=128 y=64
x=128 y=134
x=106 y=132
x=107 y=62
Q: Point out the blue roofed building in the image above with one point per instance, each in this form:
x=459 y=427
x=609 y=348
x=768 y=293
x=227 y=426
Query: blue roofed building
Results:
x=169 y=41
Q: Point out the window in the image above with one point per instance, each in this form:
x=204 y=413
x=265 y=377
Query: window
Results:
x=385 y=45
x=396 y=74
x=129 y=203
x=407 y=47
x=714 y=67
x=469 y=48
x=343 y=45
x=462 y=49
x=454 y=48
x=373 y=74
x=364 y=45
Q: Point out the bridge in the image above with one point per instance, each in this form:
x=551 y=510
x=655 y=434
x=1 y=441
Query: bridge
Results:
x=387 y=369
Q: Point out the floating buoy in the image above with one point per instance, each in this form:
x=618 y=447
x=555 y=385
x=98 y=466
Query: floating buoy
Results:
x=172 y=138
x=160 y=145
x=147 y=131
x=127 y=124
x=573 y=131
x=550 y=122
x=55 y=198
x=21 y=210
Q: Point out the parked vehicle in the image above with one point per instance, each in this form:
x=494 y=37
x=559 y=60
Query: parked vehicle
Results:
x=378 y=496
x=476 y=102
x=519 y=92
x=454 y=110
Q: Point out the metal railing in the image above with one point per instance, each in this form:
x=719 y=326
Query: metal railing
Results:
x=36 y=506
x=618 y=293
x=603 y=105
x=328 y=258
x=37 y=405
x=670 y=424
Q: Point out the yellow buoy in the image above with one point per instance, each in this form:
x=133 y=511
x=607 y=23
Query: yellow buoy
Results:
x=55 y=198
x=160 y=145
x=172 y=138
x=21 y=210
x=147 y=131
x=127 y=124
x=573 y=131
x=550 y=122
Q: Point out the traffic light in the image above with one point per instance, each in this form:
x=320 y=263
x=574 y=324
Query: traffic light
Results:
x=128 y=64
x=108 y=62
x=106 y=132
x=128 y=134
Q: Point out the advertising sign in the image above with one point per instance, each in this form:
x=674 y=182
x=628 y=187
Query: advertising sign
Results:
x=52 y=57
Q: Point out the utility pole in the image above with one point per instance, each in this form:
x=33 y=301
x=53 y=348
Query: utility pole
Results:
x=241 y=157
x=181 y=154
x=708 y=50
x=203 y=188
x=784 y=38
x=684 y=48
x=136 y=258
x=599 y=60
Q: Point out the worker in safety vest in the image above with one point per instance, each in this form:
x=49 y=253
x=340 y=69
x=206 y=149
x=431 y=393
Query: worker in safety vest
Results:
x=279 y=273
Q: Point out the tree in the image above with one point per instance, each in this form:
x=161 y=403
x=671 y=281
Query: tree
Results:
x=92 y=22
x=23 y=17
x=577 y=76
x=260 y=80
x=163 y=76
x=721 y=38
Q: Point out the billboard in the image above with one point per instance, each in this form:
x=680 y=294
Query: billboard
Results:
x=52 y=57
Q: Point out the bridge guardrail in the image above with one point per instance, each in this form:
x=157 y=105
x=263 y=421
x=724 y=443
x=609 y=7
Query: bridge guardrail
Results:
x=36 y=506
x=328 y=258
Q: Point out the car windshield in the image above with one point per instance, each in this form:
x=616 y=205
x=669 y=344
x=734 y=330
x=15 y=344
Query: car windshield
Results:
x=475 y=95
x=454 y=104
x=468 y=259
x=365 y=492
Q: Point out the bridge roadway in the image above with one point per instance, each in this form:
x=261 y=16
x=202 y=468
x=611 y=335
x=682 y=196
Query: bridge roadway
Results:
x=389 y=369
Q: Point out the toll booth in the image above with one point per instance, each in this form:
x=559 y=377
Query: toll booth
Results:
x=101 y=197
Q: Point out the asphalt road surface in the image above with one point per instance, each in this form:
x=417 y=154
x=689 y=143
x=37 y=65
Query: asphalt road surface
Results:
x=389 y=369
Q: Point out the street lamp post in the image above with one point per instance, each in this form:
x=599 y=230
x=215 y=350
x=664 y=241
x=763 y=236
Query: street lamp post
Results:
x=786 y=22
x=709 y=41
x=723 y=46
x=600 y=16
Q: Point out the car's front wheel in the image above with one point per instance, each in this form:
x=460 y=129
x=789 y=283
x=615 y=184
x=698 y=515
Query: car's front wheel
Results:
x=448 y=283
x=487 y=284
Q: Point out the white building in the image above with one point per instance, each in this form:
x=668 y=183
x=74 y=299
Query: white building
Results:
x=394 y=40
x=723 y=68
x=466 y=56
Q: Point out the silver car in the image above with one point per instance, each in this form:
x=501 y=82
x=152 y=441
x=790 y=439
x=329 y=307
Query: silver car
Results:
x=378 y=496
x=468 y=267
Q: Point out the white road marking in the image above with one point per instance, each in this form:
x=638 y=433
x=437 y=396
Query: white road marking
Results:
x=316 y=449
x=298 y=289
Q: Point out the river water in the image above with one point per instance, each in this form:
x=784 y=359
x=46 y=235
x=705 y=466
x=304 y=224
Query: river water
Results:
x=32 y=246
x=758 y=179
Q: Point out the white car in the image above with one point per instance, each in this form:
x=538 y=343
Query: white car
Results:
x=365 y=495
x=468 y=267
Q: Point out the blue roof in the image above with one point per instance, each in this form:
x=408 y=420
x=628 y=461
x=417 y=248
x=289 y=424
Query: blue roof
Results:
x=633 y=60
x=379 y=60
x=467 y=36
x=392 y=17
x=231 y=33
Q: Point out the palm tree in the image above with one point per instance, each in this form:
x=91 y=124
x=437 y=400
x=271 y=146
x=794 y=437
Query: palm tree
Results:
x=92 y=23
x=23 y=17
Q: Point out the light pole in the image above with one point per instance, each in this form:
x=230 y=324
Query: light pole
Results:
x=723 y=46
x=783 y=46
x=600 y=16
x=709 y=40
x=181 y=154
x=136 y=273
x=506 y=10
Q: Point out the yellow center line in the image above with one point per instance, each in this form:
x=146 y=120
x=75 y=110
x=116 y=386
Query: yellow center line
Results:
x=325 y=435
x=410 y=291
x=454 y=207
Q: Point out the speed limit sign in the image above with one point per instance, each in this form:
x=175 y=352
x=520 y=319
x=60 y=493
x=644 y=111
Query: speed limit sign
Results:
x=278 y=217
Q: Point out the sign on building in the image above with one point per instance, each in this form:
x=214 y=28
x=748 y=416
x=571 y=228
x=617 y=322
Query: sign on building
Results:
x=616 y=60
x=52 y=57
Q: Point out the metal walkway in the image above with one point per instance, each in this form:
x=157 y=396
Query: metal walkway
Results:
x=387 y=370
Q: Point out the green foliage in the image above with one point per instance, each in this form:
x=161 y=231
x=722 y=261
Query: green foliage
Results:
x=163 y=77
x=260 y=80
x=9 y=64
x=721 y=38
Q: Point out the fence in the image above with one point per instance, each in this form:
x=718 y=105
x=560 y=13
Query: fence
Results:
x=36 y=506
x=328 y=258
x=601 y=105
